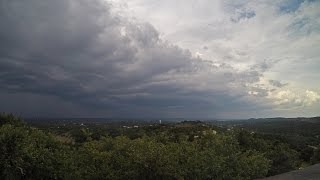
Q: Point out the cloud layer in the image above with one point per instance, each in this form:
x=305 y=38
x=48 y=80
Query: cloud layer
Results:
x=80 y=58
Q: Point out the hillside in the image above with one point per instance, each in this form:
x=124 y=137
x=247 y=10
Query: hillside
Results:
x=142 y=150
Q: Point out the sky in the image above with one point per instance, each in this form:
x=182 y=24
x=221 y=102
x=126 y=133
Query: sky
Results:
x=171 y=58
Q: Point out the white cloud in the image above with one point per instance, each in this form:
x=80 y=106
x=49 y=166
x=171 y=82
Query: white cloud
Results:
x=280 y=39
x=312 y=97
x=290 y=99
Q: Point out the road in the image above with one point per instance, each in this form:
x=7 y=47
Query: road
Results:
x=308 y=173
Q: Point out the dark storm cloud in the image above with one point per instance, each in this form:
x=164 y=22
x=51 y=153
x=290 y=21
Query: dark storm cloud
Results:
x=277 y=83
x=81 y=53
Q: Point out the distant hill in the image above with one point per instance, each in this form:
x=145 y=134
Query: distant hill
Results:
x=300 y=132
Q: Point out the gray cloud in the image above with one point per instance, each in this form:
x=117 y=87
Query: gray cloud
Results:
x=95 y=61
x=277 y=83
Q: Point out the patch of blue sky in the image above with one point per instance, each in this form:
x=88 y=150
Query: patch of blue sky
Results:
x=303 y=26
x=289 y=6
x=299 y=28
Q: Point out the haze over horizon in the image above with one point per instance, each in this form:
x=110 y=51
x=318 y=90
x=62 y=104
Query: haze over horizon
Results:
x=232 y=59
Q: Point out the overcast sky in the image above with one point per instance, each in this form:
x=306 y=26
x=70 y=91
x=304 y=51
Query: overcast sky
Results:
x=168 y=58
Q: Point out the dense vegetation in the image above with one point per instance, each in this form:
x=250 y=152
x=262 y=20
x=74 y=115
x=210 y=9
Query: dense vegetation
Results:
x=187 y=150
x=302 y=134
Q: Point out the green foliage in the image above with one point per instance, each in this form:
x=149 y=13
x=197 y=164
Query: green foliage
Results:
x=306 y=153
x=161 y=152
x=29 y=153
x=316 y=156
x=282 y=157
x=10 y=119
